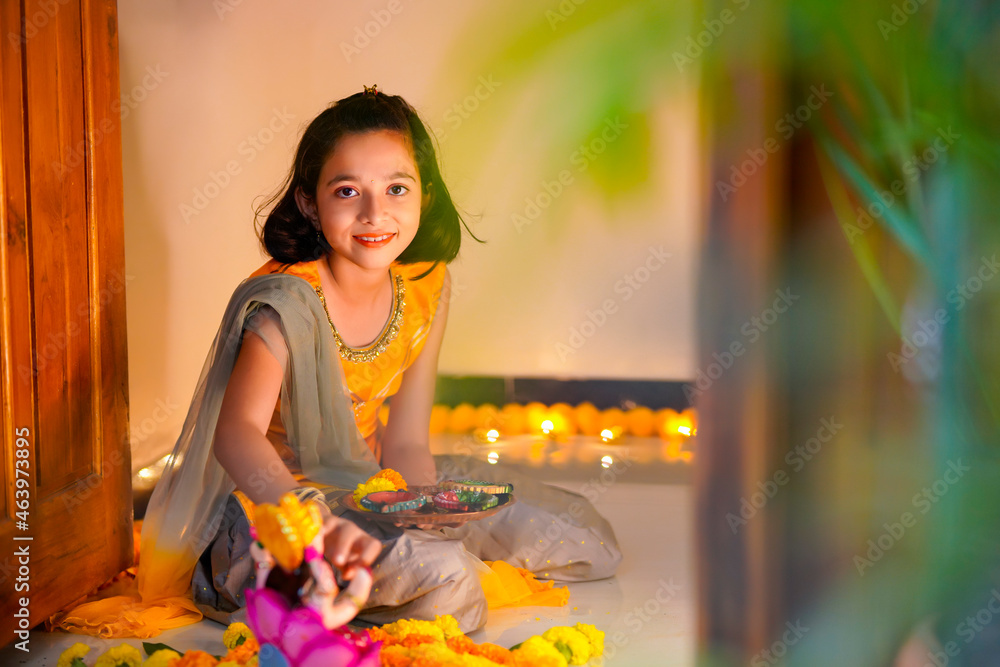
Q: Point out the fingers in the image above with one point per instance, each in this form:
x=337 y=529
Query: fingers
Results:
x=346 y=543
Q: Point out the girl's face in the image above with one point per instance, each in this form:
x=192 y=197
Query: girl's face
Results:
x=368 y=199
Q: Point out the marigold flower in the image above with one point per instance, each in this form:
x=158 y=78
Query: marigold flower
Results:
x=122 y=655
x=73 y=653
x=392 y=476
x=573 y=639
x=448 y=625
x=162 y=658
x=236 y=632
x=243 y=653
x=537 y=652
x=497 y=654
x=594 y=636
x=196 y=659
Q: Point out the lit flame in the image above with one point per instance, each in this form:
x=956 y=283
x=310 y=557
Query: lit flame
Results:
x=145 y=473
x=607 y=434
x=686 y=430
x=492 y=435
x=492 y=457
x=606 y=461
x=547 y=426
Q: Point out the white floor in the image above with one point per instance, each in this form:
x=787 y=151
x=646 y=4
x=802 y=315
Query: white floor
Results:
x=646 y=611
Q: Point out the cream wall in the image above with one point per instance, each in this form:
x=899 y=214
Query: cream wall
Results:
x=215 y=96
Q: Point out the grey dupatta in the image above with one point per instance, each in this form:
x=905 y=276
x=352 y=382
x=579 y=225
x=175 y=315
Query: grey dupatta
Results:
x=187 y=505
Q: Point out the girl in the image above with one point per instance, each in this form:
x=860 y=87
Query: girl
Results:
x=350 y=310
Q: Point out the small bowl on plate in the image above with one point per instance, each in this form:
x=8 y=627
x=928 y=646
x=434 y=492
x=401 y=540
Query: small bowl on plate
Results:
x=464 y=501
x=388 y=502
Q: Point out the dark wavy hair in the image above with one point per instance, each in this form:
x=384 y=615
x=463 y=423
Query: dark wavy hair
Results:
x=289 y=237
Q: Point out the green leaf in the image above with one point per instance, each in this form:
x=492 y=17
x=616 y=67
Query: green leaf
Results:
x=78 y=662
x=562 y=648
x=860 y=247
x=150 y=648
x=903 y=227
x=240 y=640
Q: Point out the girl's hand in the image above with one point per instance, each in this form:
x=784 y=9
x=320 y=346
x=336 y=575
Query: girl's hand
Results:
x=348 y=547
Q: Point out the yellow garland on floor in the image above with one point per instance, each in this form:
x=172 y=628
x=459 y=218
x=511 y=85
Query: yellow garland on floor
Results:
x=405 y=643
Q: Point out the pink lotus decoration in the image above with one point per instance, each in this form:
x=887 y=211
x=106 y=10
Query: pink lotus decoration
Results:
x=301 y=638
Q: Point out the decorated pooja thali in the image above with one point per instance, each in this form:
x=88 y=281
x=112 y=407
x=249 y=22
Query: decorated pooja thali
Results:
x=453 y=502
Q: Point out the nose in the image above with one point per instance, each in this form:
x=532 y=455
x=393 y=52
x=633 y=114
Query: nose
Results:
x=373 y=209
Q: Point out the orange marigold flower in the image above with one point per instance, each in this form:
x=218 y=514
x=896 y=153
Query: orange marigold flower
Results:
x=392 y=476
x=416 y=640
x=380 y=635
x=497 y=654
x=243 y=652
x=196 y=659
x=461 y=644
x=395 y=657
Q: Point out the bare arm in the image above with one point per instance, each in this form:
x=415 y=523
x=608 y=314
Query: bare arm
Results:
x=241 y=445
x=406 y=443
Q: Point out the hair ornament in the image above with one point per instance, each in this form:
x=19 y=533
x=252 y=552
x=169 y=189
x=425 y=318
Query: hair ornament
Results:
x=371 y=91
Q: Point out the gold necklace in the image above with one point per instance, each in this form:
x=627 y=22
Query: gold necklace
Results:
x=371 y=352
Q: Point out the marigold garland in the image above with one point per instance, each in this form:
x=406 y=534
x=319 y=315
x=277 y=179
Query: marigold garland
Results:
x=405 y=643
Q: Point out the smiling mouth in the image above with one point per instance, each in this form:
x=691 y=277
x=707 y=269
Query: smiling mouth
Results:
x=374 y=240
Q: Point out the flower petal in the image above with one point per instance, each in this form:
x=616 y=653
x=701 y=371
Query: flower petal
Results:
x=266 y=611
x=328 y=650
x=300 y=627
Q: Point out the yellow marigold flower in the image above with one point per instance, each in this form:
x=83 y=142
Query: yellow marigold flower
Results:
x=120 y=655
x=405 y=627
x=594 y=636
x=74 y=652
x=448 y=625
x=536 y=652
x=371 y=486
x=573 y=639
x=161 y=658
x=287 y=528
x=392 y=476
x=235 y=633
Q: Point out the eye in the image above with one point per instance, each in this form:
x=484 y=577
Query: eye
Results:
x=346 y=192
x=398 y=189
